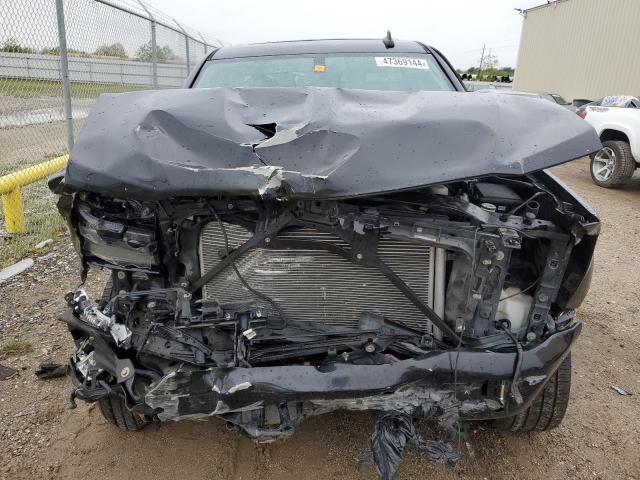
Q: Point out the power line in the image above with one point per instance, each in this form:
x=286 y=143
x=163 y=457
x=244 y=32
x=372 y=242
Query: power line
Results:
x=494 y=47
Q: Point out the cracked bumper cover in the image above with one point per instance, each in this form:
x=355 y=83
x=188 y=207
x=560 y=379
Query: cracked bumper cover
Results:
x=403 y=385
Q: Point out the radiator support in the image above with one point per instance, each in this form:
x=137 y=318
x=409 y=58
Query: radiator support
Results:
x=318 y=285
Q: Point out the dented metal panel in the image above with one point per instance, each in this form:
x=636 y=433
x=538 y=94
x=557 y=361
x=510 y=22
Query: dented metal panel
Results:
x=200 y=393
x=327 y=143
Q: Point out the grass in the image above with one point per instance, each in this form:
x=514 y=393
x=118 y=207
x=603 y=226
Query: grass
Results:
x=15 y=348
x=18 y=87
x=7 y=168
x=41 y=217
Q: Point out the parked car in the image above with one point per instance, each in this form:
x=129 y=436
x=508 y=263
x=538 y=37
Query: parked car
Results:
x=550 y=97
x=622 y=101
x=616 y=119
x=579 y=102
x=320 y=225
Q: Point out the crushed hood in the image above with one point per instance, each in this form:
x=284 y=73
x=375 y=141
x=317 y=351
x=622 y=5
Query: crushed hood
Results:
x=313 y=142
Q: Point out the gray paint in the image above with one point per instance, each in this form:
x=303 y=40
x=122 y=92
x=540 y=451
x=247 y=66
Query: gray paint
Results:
x=330 y=143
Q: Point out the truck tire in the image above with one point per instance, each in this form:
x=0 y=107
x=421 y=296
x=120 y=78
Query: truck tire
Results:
x=548 y=409
x=612 y=165
x=115 y=411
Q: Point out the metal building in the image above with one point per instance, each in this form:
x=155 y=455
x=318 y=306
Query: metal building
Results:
x=580 y=49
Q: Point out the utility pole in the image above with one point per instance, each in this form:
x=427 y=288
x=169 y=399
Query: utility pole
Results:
x=481 y=60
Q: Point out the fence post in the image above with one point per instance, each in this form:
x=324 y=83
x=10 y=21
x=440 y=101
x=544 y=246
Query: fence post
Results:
x=186 y=39
x=64 y=72
x=154 y=55
x=154 y=46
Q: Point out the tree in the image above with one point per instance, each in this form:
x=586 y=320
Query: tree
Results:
x=167 y=53
x=11 y=45
x=113 y=50
x=490 y=62
x=488 y=66
x=163 y=54
x=70 y=51
x=508 y=71
x=50 y=51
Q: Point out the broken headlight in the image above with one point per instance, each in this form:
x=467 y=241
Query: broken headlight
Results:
x=121 y=242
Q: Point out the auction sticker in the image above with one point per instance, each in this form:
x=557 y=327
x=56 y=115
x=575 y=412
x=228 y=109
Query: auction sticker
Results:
x=402 y=62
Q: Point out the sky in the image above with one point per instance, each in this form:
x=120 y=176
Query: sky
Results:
x=458 y=28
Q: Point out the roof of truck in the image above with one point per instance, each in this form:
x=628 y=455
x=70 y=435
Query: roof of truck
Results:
x=297 y=47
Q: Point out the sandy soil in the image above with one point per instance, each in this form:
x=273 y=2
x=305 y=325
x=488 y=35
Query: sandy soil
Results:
x=600 y=437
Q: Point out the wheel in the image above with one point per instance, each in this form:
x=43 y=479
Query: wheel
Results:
x=115 y=411
x=547 y=410
x=612 y=165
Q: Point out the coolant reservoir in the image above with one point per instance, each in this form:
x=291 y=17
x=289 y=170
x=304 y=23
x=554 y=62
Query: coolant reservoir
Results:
x=515 y=307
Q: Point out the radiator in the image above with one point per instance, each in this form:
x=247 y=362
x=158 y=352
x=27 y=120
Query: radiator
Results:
x=317 y=285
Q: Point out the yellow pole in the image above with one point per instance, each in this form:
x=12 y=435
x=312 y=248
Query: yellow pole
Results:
x=11 y=190
x=13 y=211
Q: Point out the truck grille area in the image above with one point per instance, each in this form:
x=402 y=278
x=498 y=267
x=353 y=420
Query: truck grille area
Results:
x=318 y=285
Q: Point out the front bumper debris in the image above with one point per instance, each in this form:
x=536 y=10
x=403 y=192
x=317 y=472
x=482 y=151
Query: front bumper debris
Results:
x=477 y=381
x=463 y=375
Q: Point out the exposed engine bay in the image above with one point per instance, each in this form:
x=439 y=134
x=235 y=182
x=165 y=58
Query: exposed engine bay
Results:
x=264 y=312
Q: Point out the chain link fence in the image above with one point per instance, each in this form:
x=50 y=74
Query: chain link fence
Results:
x=111 y=46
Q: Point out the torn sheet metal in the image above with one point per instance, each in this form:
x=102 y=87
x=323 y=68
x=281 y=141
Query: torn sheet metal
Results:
x=408 y=384
x=313 y=142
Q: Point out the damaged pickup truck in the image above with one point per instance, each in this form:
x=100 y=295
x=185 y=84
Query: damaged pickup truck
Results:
x=322 y=225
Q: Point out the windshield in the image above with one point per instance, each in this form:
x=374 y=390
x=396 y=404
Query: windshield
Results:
x=407 y=73
x=625 y=101
x=558 y=99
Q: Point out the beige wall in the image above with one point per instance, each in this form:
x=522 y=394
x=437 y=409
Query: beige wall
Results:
x=581 y=49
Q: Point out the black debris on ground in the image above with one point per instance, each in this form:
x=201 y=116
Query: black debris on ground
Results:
x=393 y=432
x=6 y=372
x=48 y=371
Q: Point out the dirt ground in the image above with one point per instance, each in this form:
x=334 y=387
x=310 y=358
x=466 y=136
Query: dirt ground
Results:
x=600 y=437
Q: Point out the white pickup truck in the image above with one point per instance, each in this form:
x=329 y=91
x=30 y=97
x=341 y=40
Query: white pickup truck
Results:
x=617 y=121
